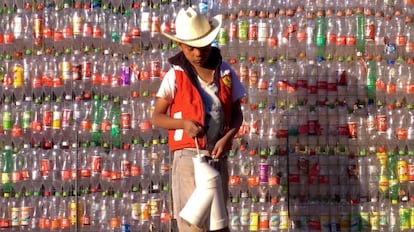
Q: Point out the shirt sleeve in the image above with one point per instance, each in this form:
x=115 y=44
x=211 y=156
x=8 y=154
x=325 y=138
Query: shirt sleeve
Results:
x=167 y=87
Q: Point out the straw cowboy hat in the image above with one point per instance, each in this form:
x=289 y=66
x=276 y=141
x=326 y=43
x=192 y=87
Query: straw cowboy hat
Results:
x=194 y=29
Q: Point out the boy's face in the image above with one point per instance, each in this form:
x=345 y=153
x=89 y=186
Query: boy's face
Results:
x=196 y=56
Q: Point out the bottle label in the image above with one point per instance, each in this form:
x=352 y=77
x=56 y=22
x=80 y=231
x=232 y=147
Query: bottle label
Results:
x=155 y=25
x=374 y=220
x=16 y=176
x=116 y=81
x=252 y=31
x=85 y=125
x=125 y=121
x=253 y=181
x=85 y=172
x=5 y=223
x=331 y=38
x=381 y=123
x=27 y=115
x=203 y=6
x=135 y=208
x=234 y=180
x=87 y=30
x=73 y=212
x=135 y=170
x=243 y=30
x=115 y=129
x=15 y=216
x=96 y=164
x=25 y=215
x=400 y=40
x=64 y=223
x=244 y=216
x=105 y=126
x=57 y=120
x=409 y=47
x=284 y=220
x=254 y=221
x=8 y=38
x=126 y=228
x=66 y=174
x=106 y=174
x=401 y=133
x=67 y=32
x=235 y=222
x=115 y=176
x=76 y=72
x=97 y=32
x=274 y=180
x=106 y=79
x=96 y=79
x=58 y=36
x=402 y=169
x=126 y=168
x=44 y=223
x=16 y=131
x=155 y=68
x=145 y=22
x=411 y=172
x=264 y=221
x=165 y=217
x=364 y=221
x=404 y=214
x=114 y=222
x=125 y=76
x=55 y=224
x=263 y=173
x=144 y=214
x=369 y=31
x=47 y=32
x=351 y=40
x=274 y=222
x=86 y=220
x=155 y=207
x=7 y=122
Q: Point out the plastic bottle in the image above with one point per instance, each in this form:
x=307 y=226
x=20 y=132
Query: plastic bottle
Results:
x=145 y=24
x=115 y=116
x=244 y=211
x=234 y=173
x=114 y=159
x=125 y=41
x=5 y=213
x=320 y=33
x=409 y=32
x=126 y=169
x=144 y=215
x=390 y=46
x=234 y=214
x=114 y=217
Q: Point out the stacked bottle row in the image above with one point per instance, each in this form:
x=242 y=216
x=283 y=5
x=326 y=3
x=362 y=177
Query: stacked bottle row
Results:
x=86 y=211
x=259 y=215
x=82 y=74
x=71 y=187
x=268 y=28
x=331 y=32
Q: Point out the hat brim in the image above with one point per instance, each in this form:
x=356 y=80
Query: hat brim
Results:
x=203 y=41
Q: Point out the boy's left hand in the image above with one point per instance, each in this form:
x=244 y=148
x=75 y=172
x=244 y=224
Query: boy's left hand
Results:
x=218 y=149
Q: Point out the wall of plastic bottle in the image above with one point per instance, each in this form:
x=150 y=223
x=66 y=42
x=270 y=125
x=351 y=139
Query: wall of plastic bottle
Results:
x=326 y=145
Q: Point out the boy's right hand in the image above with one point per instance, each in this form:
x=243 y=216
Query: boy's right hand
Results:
x=192 y=128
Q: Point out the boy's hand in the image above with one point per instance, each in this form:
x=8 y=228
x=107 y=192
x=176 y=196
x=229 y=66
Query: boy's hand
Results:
x=193 y=129
x=218 y=149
